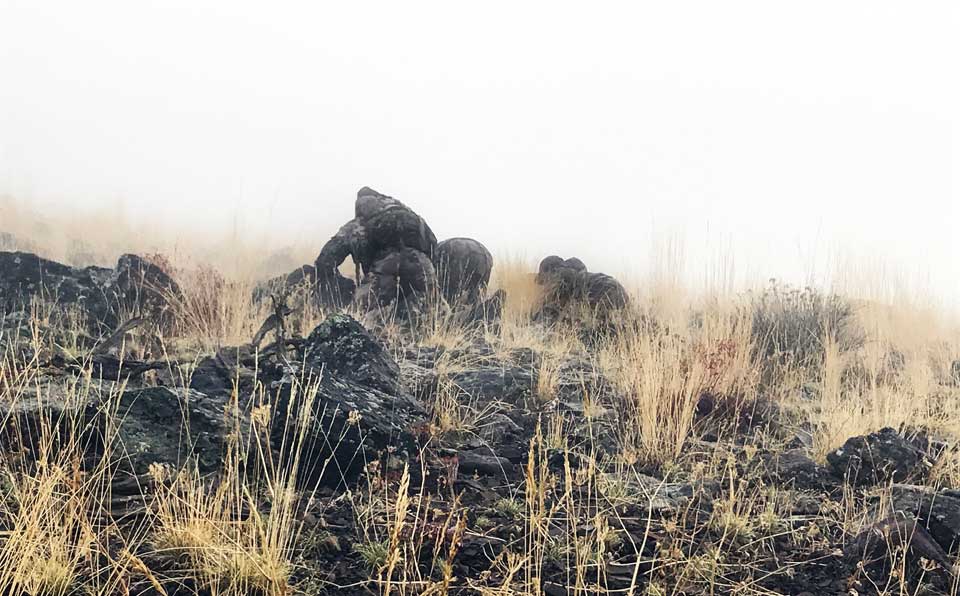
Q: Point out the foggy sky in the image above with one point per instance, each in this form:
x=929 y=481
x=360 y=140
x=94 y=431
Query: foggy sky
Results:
x=781 y=135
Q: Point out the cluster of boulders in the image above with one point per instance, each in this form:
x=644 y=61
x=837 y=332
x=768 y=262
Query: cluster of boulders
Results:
x=136 y=291
x=569 y=286
x=399 y=266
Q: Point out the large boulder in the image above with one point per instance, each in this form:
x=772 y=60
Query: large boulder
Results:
x=141 y=288
x=141 y=427
x=463 y=267
x=391 y=225
x=304 y=277
x=343 y=348
x=879 y=458
x=358 y=410
x=25 y=277
x=136 y=288
x=937 y=510
x=402 y=279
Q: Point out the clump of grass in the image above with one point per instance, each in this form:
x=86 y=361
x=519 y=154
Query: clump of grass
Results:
x=50 y=535
x=239 y=528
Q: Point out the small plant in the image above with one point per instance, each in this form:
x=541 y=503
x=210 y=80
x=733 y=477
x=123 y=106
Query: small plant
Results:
x=509 y=508
x=373 y=553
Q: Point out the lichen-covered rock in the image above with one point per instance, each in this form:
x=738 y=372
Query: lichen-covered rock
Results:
x=796 y=469
x=343 y=348
x=155 y=425
x=104 y=298
x=879 y=458
x=25 y=277
x=937 y=510
x=141 y=288
x=304 y=277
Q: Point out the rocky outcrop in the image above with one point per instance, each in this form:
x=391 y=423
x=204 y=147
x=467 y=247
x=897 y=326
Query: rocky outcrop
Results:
x=879 y=458
x=568 y=287
x=25 y=277
x=105 y=298
x=341 y=347
x=348 y=387
x=392 y=248
x=937 y=510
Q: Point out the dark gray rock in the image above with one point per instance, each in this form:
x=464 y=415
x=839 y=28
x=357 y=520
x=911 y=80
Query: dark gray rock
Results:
x=400 y=283
x=938 y=511
x=795 y=469
x=390 y=225
x=482 y=462
x=304 y=277
x=342 y=347
x=504 y=382
x=136 y=288
x=875 y=544
x=484 y=312
x=25 y=276
x=140 y=288
x=141 y=427
x=879 y=458
x=463 y=268
x=345 y=425
x=167 y=426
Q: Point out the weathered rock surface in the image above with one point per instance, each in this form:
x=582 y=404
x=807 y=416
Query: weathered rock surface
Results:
x=104 y=298
x=341 y=347
x=25 y=276
x=879 y=458
x=569 y=286
x=463 y=267
x=938 y=511
x=154 y=425
x=795 y=469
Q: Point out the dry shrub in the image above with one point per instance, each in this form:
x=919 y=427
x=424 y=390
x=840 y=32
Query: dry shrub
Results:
x=215 y=311
x=790 y=324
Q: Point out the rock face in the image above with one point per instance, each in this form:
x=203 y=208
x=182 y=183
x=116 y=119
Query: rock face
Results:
x=343 y=348
x=136 y=288
x=25 y=276
x=938 y=511
x=359 y=409
x=150 y=430
x=796 y=469
x=149 y=434
x=463 y=267
x=879 y=458
x=568 y=285
x=143 y=289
